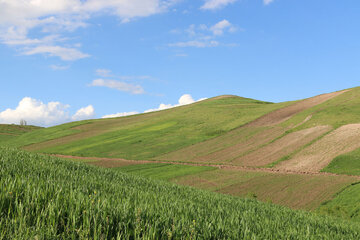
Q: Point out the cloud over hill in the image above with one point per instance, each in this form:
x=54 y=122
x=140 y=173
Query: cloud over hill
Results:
x=35 y=112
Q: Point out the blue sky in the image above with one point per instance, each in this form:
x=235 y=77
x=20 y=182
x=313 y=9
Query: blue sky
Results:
x=66 y=60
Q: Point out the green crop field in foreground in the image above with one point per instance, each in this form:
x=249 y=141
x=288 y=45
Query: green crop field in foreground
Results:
x=163 y=171
x=43 y=197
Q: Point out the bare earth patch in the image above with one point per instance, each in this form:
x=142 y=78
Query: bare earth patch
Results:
x=282 y=147
x=242 y=147
x=318 y=155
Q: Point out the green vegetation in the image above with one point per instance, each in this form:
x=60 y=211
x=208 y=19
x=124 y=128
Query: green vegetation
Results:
x=154 y=133
x=345 y=164
x=16 y=129
x=163 y=171
x=11 y=131
x=341 y=110
x=46 y=134
x=346 y=204
x=43 y=197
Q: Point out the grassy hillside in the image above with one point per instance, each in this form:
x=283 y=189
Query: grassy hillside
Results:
x=346 y=204
x=11 y=131
x=264 y=141
x=345 y=164
x=336 y=112
x=48 y=198
x=154 y=133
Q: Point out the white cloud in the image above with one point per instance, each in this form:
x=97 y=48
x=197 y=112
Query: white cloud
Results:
x=35 y=112
x=84 y=113
x=19 y=17
x=216 y=4
x=123 y=114
x=121 y=86
x=220 y=27
x=203 y=36
x=186 y=99
x=183 y=100
x=66 y=54
x=267 y=2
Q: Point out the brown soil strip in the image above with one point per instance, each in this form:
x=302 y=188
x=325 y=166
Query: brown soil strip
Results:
x=318 y=155
x=282 y=147
x=104 y=162
x=118 y=162
x=285 y=113
x=242 y=147
x=296 y=191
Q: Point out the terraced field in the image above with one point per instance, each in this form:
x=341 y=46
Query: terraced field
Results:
x=298 y=154
x=297 y=191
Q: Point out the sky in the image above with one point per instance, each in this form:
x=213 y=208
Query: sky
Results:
x=69 y=60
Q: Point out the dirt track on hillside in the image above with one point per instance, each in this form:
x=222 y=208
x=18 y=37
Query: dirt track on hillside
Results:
x=119 y=162
x=321 y=153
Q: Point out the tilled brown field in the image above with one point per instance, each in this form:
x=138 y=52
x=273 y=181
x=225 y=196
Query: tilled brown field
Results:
x=282 y=147
x=297 y=191
x=318 y=155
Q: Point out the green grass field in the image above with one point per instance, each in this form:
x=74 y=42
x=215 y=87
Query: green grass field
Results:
x=48 y=198
x=341 y=110
x=345 y=164
x=163 y=171
x=16 y=129
x=154 y=133
x=346 y=204
x=11 y=131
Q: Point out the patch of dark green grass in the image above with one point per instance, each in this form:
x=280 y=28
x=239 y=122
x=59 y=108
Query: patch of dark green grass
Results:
x=346 y=204
x=345 y=164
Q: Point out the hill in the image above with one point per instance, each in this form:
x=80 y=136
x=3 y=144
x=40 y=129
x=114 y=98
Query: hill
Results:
x=154 y=133
x=12 y=131
x=298 y=154
x=49 y=198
